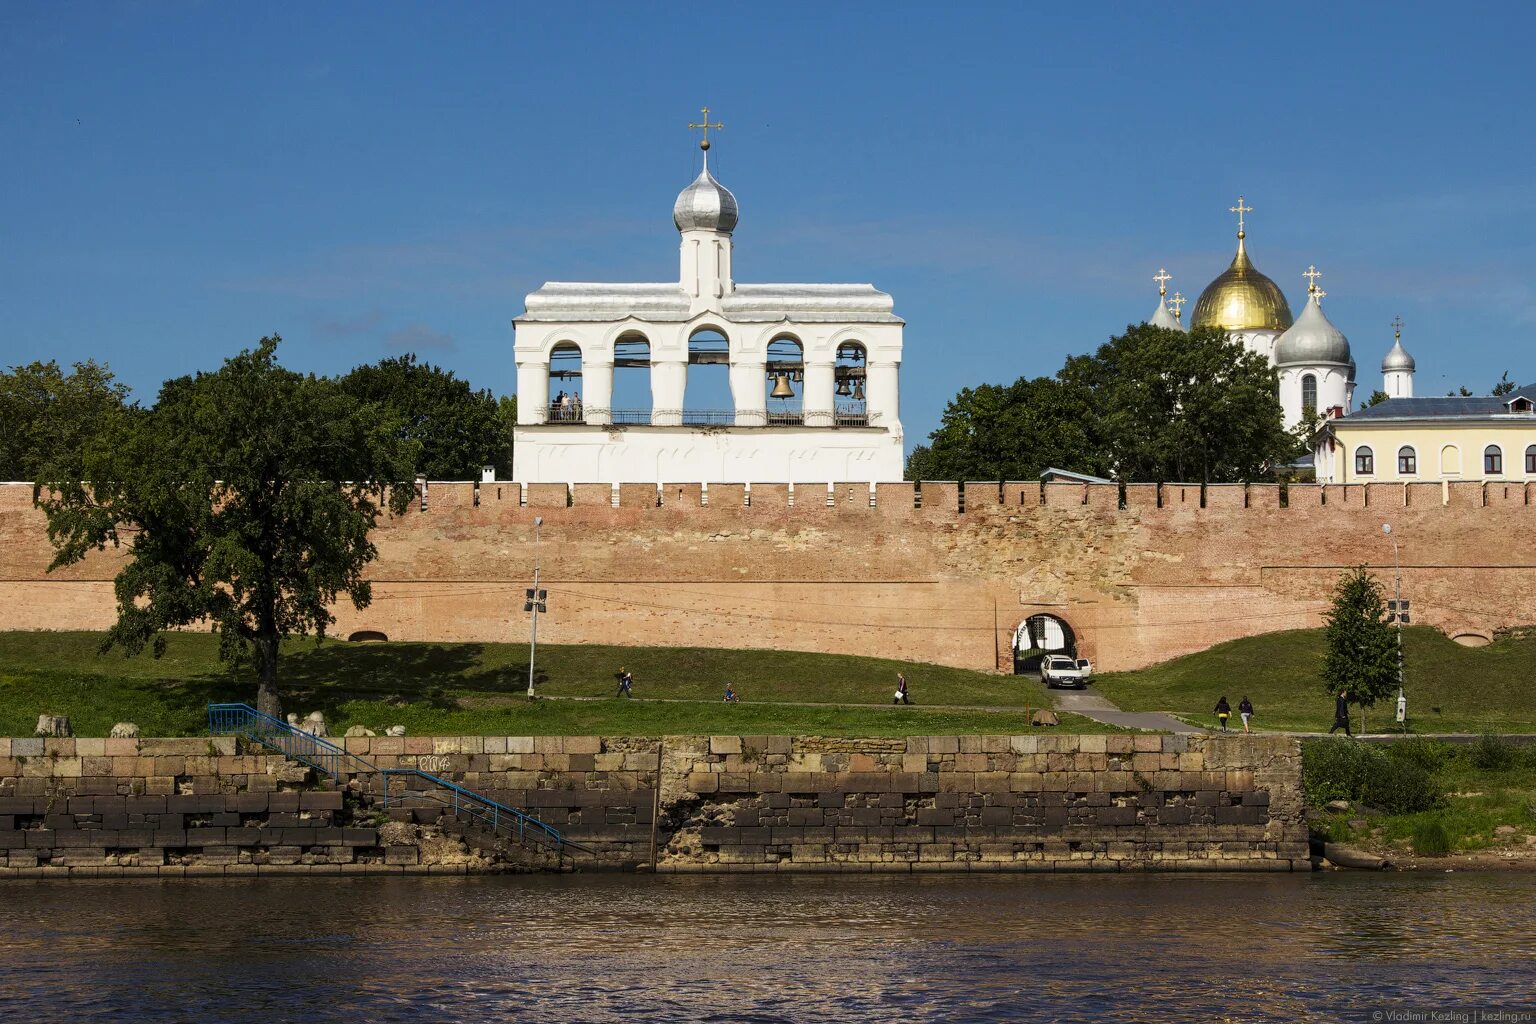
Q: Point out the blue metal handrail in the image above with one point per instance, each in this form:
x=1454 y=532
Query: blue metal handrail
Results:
x=327 y=757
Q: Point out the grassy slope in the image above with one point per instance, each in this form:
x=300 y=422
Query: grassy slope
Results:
x=476 y=688
x=1488 y=689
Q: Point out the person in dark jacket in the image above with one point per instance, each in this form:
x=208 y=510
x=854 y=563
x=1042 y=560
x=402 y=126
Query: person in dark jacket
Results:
x=1341 y=713
x=1223 y=712
x=626 y=684
x=901 y=690
x=1246 y=710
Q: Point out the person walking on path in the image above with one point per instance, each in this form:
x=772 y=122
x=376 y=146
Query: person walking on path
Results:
x=1341 y=713
x=626 y=684
x=901 y=689
x=1223 y=712
x=1245 y=708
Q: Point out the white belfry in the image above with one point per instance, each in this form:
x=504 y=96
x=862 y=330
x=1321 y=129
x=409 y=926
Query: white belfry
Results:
x=830 y=353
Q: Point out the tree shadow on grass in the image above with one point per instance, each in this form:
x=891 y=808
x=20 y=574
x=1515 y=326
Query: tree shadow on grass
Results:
x=323 y=678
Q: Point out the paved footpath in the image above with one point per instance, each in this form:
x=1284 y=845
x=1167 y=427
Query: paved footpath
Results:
x=1082 y=702
x=1098 y=707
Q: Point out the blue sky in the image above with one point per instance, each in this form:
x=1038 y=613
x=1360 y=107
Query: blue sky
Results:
x=366 y=179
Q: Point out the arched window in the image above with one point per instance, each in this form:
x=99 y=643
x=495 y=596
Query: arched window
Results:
x=1309 y=395
x=707 y=390
x=1365 y=461
x=565 y=386
x=1407 y=461
x=849 y=372
x=1493 y=459
x=786 y=382
x=630 y=401
x=1530 y=459
x=1450 y=461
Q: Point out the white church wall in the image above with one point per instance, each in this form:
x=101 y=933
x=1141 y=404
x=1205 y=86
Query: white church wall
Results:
x=589 y=454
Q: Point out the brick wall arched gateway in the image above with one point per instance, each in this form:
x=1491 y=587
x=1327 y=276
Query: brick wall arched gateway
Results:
x=887 y=573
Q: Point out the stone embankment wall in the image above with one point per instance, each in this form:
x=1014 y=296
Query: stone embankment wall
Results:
x=941 y=572
x=725 y=804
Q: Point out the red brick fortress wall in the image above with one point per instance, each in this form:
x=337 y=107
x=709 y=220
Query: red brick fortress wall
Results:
x=937 y=572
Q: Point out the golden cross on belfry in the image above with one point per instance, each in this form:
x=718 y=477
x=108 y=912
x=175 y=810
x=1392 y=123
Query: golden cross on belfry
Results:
x=1397 y=328
x=1240 y=209
x=706 y=126
x=1312 y=274
x=1162 y=277
x=1177 y=302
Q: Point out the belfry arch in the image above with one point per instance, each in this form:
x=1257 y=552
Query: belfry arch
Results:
x=1041 y=634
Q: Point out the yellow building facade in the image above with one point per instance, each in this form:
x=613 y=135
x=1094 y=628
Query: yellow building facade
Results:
x=1431 y=440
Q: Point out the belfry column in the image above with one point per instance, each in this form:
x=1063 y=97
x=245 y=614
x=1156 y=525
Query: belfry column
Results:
x=749 y=392
x=597 y=392
x=882 y=397
x=817 y=401
x=669 y=380
x=533 y=391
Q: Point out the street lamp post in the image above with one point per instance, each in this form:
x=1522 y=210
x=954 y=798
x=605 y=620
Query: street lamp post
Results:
x=1397 y=614
x=535 y=603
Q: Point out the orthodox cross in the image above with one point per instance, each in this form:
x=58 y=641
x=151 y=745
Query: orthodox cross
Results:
x=1312 y=274
x=1162 y=277
x=1240 y=209
x=1397 y=328
x=706 y=126
x=1177 y=302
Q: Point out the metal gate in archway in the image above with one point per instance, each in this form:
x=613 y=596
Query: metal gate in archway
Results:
x=1038 y=636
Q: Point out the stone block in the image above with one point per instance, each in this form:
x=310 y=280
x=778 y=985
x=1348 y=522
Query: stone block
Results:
x=725 y=744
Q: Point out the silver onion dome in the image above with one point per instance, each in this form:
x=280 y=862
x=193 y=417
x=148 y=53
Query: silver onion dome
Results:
x=1164 y=318
x=1397 y=359
x=1312 y=340
x=705 y=205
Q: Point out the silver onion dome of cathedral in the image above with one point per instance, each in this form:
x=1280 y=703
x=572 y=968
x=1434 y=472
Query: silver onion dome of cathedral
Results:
x=1312 y=340
x=705 y=205
x=1397 y=359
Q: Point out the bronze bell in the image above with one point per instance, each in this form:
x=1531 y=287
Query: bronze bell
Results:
x=781 y=388
x=843 y=389
x=858 y=391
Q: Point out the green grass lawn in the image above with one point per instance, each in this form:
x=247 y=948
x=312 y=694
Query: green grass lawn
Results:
x=478 y=688
x=1477 y=690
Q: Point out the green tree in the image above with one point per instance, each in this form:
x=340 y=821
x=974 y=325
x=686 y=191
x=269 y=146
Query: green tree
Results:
x=246 y=497
x=1007 y=432
x=1361 y=654
x=457 y=428
x=48 y=415
x=1377 y=397
x=1176 y=406
x=506 y=412
x=1504 y=386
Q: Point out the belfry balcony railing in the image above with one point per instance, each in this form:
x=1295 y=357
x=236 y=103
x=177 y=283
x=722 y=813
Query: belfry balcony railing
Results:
x=575 y=415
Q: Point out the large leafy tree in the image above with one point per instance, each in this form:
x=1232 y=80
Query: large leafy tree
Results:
x=1008 y=432
x=459 y=430
x=1152 y=404
x=1361 y=644
x=246 y=497
x=48 y=414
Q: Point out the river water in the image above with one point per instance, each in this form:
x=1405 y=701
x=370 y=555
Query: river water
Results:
x=642 y=948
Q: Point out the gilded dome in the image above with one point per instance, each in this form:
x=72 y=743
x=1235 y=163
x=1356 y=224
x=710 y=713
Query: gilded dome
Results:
x=706 y=204
x=1242 y=299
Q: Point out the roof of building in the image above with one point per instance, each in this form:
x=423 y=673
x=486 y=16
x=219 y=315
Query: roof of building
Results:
x=1163 y=317
x=1458 y=407
x=1312 y=340
x=578 y=301
x=1397 y=358
x=706 y=204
